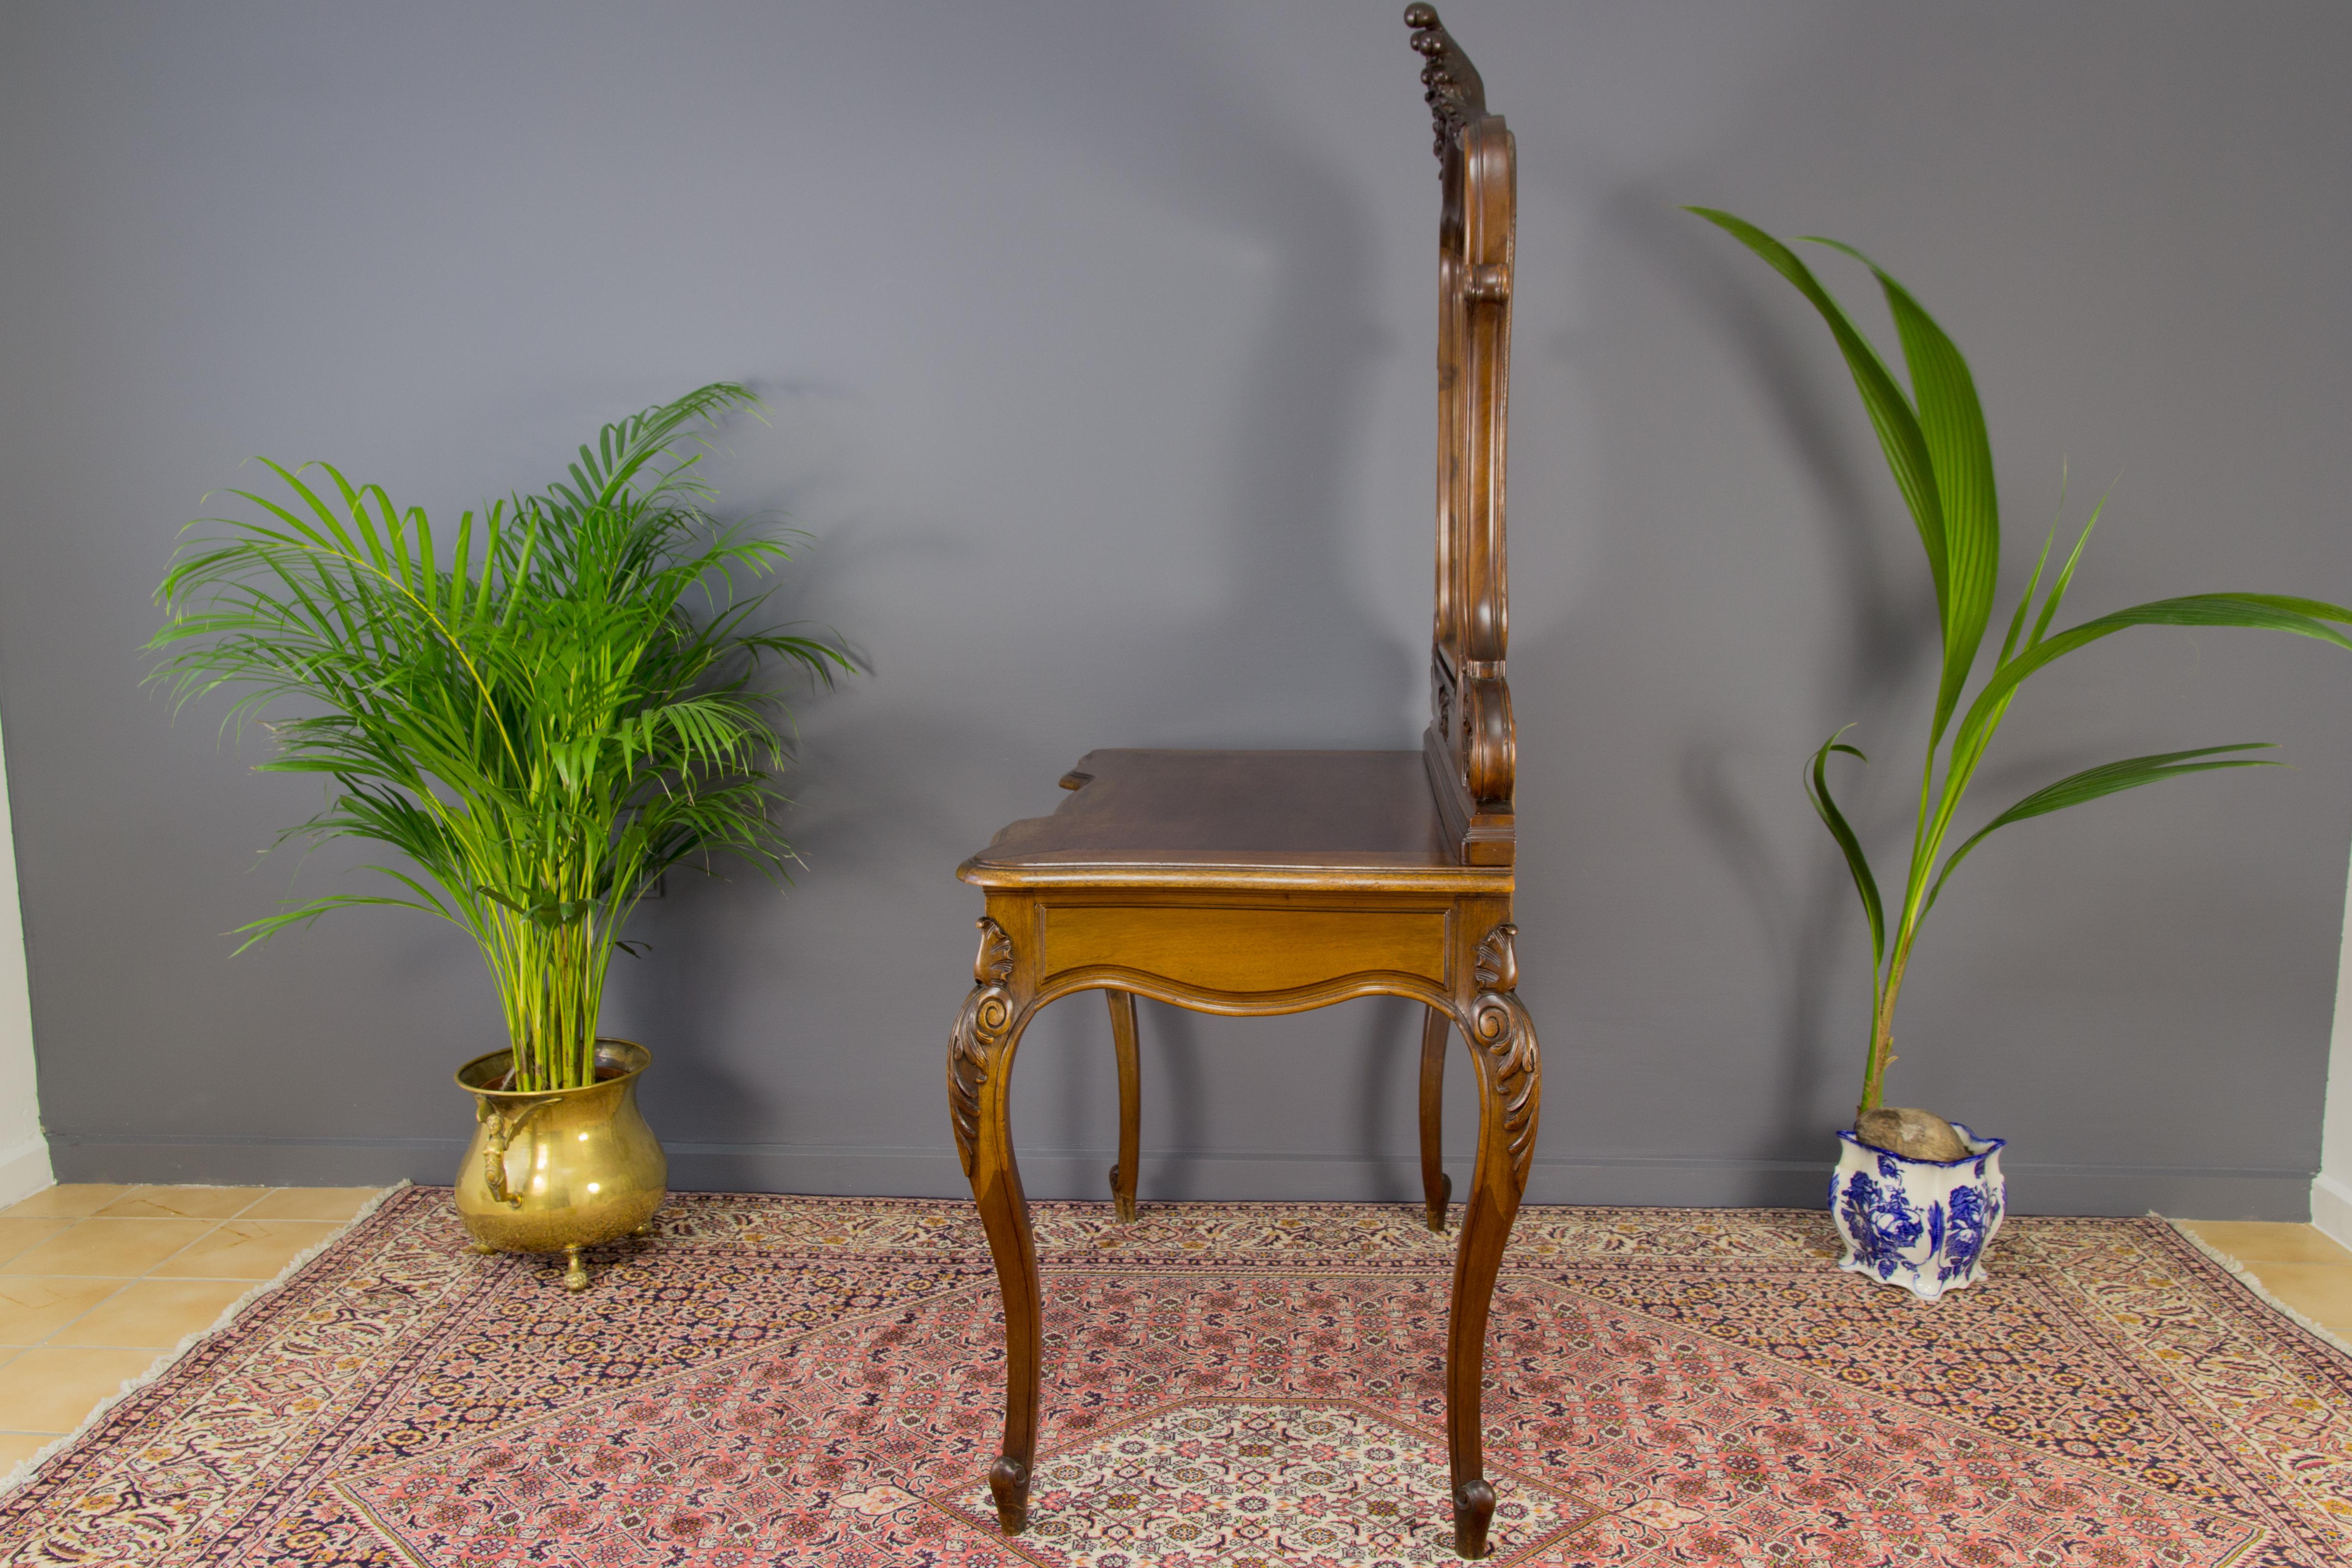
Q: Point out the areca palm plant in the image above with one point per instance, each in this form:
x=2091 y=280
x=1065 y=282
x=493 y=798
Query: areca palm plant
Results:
x=1935 y=441
x=540 y=710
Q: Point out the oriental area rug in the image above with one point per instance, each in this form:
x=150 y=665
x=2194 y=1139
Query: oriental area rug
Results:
x=776 y=1381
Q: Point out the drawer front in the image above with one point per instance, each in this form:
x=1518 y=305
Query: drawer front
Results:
x=1244 y=949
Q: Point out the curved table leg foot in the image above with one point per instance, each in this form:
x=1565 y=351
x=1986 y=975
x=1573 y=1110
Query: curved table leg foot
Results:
x=1474 y=1508
x=1008 y=1482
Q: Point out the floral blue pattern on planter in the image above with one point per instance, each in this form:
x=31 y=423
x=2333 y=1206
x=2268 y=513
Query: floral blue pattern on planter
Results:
x=1920 y=1224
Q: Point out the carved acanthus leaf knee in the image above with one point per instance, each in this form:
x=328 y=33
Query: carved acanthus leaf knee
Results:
x=980 y=1028
x=1502 y=1032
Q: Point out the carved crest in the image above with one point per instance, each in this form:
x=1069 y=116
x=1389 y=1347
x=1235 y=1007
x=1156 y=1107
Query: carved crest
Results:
x=1449 y=81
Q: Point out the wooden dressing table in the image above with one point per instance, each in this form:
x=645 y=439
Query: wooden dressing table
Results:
x=1252 y=883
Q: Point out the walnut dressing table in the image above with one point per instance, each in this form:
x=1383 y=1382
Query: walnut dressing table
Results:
x=1252 y=883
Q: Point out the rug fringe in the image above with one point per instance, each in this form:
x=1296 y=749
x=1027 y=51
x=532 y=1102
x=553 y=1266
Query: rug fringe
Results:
x=2246 y=1276
x=26 y=1468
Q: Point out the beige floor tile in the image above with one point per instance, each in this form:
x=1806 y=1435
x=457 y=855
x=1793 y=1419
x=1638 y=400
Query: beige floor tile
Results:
x=72 y=1199
x=245 y=1249
x=154 y=1313
x=311 y=1203
x=2319 y=1290
x=32 y=1307
x=122 y=1248
x=54 y=1388
x=2257 y=1241
x=181 y=1202
x=19 y=1235
x=15 y=1448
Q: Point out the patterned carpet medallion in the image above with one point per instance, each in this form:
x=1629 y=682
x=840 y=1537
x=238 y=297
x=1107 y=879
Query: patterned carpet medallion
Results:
x=783 y=1381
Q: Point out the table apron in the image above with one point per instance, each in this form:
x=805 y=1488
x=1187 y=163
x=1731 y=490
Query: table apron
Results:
x=1243 y=949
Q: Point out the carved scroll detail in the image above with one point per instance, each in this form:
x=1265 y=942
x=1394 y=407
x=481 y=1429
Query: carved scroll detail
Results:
x=1455 y=92
x=1488 y=285
x=1501 y=1029
x=980 y=1028
x=1489 y=739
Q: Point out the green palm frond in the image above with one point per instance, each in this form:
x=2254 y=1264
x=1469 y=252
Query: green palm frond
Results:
x=1936 y=448
x=1817 y=790
x=540 y=711
x=2108 y=778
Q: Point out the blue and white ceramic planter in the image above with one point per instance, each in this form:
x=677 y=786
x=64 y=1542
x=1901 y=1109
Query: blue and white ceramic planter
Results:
x=1920 y=1224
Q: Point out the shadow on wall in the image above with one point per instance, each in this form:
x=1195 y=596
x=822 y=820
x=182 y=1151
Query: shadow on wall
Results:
x=1293 y=657
x=1624 y=665
x=662 y=998
x=1807 y=923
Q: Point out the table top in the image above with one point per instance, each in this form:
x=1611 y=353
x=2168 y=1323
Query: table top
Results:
x=1217 y=818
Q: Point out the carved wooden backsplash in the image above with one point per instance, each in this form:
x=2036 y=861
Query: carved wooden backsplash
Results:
x=1472 y=742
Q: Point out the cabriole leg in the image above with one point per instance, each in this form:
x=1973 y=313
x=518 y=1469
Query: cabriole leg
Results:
x=1503 y=1047
x=1436 y=1186
x=1130 y=1101
x=980 y=1058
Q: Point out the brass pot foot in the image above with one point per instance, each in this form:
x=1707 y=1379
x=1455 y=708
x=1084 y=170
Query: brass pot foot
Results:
x=481 y=1249
x=1474 y=1506
x=575 y=1270
x=645 y=1232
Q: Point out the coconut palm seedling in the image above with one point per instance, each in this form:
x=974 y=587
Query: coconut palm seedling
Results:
x=1935 y=442
x=542 y=710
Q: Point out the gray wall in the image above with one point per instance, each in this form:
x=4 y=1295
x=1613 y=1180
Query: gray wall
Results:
x=1099 y=342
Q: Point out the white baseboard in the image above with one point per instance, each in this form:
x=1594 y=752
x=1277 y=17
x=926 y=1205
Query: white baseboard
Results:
x=2331 y=1207
x=25 y=1170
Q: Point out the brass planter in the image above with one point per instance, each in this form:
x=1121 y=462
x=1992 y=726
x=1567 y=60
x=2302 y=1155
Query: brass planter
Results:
x=559 y=1171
